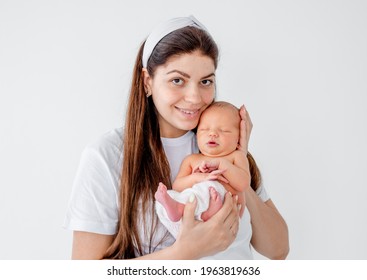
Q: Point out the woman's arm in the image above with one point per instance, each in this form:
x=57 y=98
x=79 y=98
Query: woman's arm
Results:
x=90 y=246
x=269 y=230
x=191 y=242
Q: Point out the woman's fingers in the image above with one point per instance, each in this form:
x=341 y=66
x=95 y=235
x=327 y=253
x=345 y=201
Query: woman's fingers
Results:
x=233 y=217
x=226 y=209
x=221 y=229
x=243 y=136
x=248 y=123
x=232 y=220
x=188 y=217
x=245 y=129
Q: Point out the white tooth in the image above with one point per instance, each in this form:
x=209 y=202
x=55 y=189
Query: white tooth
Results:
x=187 y=112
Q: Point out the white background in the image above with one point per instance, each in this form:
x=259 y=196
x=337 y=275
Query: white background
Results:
x=299 y=66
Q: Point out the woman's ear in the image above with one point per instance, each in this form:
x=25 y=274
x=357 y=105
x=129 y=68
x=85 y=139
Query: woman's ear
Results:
x=147 y=80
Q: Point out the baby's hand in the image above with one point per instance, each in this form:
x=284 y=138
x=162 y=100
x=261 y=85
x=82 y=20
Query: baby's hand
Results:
x=206 y=167
x=217 y=175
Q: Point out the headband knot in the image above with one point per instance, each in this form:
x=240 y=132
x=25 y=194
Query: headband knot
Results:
x=164 y=29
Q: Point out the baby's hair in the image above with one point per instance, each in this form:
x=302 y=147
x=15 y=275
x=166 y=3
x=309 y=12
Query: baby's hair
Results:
x=224 y=104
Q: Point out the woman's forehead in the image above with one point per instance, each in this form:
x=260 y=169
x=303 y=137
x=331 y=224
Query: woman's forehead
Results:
x=189 y=63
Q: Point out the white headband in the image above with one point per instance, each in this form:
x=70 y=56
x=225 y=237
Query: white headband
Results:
x=164 y=29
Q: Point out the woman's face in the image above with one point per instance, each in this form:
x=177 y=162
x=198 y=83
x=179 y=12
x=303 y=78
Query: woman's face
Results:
x=181 y=90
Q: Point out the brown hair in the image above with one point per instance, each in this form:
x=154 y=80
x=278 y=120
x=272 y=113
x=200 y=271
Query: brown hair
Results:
x=144 y=161
x=254 y=170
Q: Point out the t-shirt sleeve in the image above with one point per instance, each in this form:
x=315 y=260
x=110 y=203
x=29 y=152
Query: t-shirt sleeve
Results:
x=93 y=205
x=262 y=193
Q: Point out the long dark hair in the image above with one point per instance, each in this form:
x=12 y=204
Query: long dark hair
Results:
x=144 y=161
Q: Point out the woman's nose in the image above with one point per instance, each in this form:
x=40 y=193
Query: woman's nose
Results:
x=193 y=95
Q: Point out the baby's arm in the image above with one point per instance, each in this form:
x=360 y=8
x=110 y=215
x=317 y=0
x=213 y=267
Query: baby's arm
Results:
x=185 y=177
x=238 y=172
x=190 y=175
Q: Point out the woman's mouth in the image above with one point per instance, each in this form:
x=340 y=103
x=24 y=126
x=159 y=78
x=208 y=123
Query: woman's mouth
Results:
x=189 y=113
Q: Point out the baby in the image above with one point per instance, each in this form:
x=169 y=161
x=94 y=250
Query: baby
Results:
x=219 y=167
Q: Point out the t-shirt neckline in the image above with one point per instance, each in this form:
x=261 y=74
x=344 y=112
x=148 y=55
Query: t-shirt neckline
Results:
x=178 y=140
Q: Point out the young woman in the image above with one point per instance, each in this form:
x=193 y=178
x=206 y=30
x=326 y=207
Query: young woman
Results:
x=111 y=208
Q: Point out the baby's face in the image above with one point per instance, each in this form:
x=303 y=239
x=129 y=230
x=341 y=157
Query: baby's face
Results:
x=218 y=131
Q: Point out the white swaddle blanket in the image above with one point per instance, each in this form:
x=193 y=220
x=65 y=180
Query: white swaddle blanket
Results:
x=201 y=192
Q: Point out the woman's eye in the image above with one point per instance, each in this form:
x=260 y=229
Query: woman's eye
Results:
x=206 y=82
x=177 y=81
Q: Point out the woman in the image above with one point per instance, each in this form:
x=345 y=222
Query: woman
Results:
x=112 y=205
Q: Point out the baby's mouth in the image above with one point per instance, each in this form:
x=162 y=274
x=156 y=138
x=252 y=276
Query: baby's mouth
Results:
x=212 y=144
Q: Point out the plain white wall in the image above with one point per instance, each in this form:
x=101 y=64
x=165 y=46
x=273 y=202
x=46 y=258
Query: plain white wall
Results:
x=299 y=66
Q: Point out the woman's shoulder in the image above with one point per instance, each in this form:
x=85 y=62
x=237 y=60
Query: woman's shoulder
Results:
x=111 y=138
x=106 y=150
x=109 y=144
x=94 y=203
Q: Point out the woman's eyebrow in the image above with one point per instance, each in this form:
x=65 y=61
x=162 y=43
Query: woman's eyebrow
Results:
x=179 y=72
x=211 y=74
x=187 y=75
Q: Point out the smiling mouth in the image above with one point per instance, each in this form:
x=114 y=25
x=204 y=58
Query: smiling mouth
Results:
x=189 y=113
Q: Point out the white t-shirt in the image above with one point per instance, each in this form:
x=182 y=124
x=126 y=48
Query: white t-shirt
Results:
x=94 y=201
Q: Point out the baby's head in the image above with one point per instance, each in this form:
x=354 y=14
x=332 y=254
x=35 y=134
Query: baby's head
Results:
x=219 y=129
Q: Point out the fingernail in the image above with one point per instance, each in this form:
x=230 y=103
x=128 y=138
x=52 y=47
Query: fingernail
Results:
x=230 y=193
x=239 y=206
x=191 y=198
x=236 y=198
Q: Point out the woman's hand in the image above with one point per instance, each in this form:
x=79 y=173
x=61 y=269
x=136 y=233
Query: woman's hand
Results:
x=245 y=130
x=198 y=239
